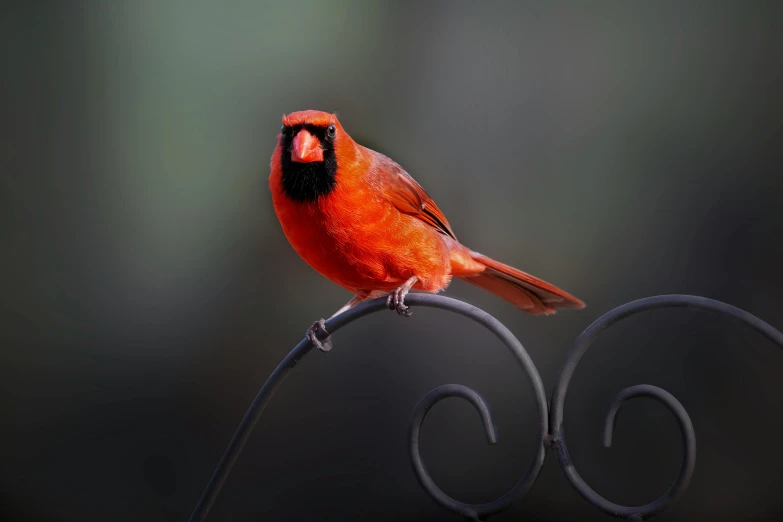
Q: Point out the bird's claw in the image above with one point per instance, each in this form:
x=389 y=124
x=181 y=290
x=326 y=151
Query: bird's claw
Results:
x=312 y=336
x=396 y=301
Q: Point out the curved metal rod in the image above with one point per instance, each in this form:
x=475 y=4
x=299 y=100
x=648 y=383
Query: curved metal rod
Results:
x=417 y=419
x=686 y=430
x=333 y=325
x=479 y=511
x=569 y=366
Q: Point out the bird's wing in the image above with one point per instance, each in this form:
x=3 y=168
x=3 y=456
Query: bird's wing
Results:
x=408 y=197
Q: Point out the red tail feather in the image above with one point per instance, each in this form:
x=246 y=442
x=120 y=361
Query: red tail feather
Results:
x=524 y=291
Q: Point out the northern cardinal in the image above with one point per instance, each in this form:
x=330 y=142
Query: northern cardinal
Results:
x=359 y=219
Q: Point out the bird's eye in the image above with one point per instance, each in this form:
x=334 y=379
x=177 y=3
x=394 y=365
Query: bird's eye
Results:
x=331 y=130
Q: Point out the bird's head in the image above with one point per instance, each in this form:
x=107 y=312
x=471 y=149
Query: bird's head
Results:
x=308 y=135
x=308 y=143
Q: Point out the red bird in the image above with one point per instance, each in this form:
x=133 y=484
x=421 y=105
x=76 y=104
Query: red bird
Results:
x=359 y=219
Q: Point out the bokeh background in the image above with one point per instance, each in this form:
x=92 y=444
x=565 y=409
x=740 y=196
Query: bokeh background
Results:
x=617 y=149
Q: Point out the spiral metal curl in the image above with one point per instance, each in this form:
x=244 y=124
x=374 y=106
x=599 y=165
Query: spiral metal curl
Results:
x=478 y=511
x=473 y=512
x=686 y=427
x=553 y=437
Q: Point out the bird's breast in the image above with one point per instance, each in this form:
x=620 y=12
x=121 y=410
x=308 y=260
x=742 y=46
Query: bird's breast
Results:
x=361 y=242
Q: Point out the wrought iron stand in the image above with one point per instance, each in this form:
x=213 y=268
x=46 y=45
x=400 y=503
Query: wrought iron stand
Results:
x=550 y=417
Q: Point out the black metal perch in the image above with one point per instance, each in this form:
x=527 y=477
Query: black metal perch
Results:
x=550 y=429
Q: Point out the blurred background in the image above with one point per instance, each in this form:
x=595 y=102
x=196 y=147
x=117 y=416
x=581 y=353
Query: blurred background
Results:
x=618 y=150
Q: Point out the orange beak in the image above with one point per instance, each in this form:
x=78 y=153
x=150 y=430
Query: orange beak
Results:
x=306 y=148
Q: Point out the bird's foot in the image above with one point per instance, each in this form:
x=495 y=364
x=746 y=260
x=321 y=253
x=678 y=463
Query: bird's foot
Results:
x=396 y=301
x=312 y=332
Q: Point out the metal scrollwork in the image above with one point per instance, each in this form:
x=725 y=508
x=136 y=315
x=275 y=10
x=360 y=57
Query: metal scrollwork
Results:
x=477 y=511
x=686 y=428
x=550 y=429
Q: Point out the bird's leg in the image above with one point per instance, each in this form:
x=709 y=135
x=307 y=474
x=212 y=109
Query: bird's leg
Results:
x=312 y=336
x=355 y=300
x=326 y=344
x=396 y=299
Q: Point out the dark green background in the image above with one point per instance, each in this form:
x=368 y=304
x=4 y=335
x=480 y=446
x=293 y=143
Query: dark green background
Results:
x=617 y=149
